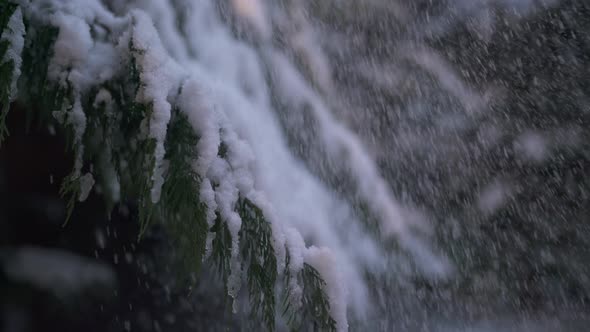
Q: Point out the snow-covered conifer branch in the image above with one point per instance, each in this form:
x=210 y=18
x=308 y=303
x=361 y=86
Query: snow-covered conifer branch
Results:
x=141 y=128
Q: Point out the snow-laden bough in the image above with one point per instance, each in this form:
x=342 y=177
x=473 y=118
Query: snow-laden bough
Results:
x=220 y=83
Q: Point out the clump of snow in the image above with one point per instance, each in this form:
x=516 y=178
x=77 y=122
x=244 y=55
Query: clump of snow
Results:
x=207 y=196
x=297 y=248
x=323 y=260
x=86 y=183
x=72 y=46
x=14 y=34
x=159 y=76
x=226 y=196
x=201 y=114
x=103 y=97
x=77 y=119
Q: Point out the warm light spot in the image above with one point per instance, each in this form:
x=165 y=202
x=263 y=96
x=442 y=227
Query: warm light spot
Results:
x=253 y=12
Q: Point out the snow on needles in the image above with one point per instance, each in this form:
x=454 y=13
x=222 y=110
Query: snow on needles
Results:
x=188 y=58
x=159 y=76
x=14 y=34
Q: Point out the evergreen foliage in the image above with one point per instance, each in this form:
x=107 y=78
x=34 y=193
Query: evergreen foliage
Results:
x=6 y=68
x=313 y=313
x=257 y=250
x=115 y=149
